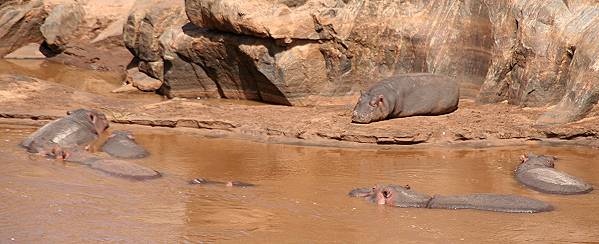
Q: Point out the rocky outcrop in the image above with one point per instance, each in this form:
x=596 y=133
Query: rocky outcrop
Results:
x=142 y=30
x=304 y=52
x=547 y=59
x=531 y=53
x=20 y=22
x=59 y=27
x=310 y=52
x=80 y=33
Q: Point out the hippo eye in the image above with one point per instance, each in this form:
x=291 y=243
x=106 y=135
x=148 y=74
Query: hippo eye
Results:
x=372 y=103
x=386 y=194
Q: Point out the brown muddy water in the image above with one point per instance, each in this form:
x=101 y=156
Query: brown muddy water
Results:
x=97 y=82
x=300 y=197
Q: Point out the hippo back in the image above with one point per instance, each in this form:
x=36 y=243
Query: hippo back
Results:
x=491 y=202
x=426 y=94
x=121 y=144
x=552 y=181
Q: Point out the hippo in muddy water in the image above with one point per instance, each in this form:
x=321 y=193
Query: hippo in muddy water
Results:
x=538 y=173
x=114 y=167
x=79 y=128
x=407 y=95
x=121 y=144
x=404 y=197
x=68 y=138
x=203 y=181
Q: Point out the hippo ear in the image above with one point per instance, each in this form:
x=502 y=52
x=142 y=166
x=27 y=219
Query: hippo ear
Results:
x=523 y=158
x=361 y=93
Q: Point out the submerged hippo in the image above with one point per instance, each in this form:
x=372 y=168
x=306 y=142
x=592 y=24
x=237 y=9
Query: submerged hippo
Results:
x=538 y=173
x=407 y=95
x=202 y=181
x=121 y=144
x=79 y=128
x=404 y=197
x=113 y=167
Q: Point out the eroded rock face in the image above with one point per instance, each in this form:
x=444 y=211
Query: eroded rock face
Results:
x=316 y=51
x=20 y=22
x=79 y=33
x=548 y=59
x=142 y=31
x=303 y=52
x=59 y=27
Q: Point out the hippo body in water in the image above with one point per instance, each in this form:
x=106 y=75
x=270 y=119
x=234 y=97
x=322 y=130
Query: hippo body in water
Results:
x=115 y=167
x=79 y=128
x=68 y=137
x=400 y=196
x=121 y=144
x=407 y=95
x=538 y=173
x=202 y=181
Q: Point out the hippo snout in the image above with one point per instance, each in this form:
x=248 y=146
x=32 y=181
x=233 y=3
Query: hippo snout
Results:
x=359 y=119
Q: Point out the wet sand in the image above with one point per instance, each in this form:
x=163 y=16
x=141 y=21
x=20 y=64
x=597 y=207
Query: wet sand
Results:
x=301 y=195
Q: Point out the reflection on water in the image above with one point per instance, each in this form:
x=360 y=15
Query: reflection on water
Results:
x=301 y=195
x=97 y=82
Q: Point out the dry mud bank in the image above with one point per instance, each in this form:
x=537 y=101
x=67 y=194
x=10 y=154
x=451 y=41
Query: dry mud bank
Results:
x=490 y=124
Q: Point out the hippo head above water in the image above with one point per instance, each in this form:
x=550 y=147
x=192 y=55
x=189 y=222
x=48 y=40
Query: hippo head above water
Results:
x=530 y=161
x=393 y=195
x=370 y=108
x=97 y=119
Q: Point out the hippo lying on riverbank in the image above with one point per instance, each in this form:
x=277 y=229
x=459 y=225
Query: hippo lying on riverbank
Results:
x=202 y=181
x=538 y=173
x=121 y=144
x=400 y=196
x=79 y=128
x=407 y=95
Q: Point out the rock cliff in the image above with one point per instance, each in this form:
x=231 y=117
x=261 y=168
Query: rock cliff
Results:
x=529 y=53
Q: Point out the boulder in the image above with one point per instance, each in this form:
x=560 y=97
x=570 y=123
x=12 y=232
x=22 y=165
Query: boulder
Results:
x=147 y=22
x=20 y=22
x=59 y=27
x=142 y=81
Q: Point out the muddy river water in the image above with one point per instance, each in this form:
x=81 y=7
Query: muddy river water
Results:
x=300 y=197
